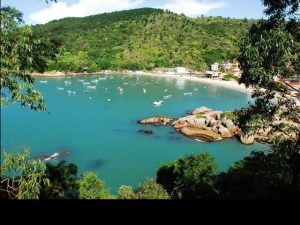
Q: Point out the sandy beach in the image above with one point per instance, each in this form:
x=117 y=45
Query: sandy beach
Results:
x=233 y=85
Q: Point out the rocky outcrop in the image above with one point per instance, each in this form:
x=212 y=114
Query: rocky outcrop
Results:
x=203 y=135
x=206 y=125
x=156 y=121
x=225 y=132
x=201 y=110
x=49 y=74
x=247 y=139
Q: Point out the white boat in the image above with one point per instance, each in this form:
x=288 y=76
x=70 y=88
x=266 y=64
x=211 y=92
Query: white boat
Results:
x=167 y=97
x=86 y=83
x=68 y=82
x=120 y=89
x=158 y=103
x=144 y=90
x=91 y=87
x=199 y=140
x=43 y=81
x=60 y=88
x=109 y=100
x=166 y=90
x=72 y=92
x=94 y=81
x=189 y=93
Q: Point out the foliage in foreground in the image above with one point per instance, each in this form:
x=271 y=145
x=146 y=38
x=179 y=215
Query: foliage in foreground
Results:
x=21 y=53
x=188 y=176
x=22 y=177
x=259 y=176
x=91 y=187
x=271 y=49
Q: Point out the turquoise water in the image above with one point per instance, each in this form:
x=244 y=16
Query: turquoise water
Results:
x=103 y=136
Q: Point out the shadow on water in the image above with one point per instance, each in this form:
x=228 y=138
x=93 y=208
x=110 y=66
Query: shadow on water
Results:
x=95 y=164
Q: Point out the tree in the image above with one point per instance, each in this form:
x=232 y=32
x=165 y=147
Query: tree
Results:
x=271 y=49
x=22 y=177
x=258 y=176
x=63 y=181
x=21 y=53
x=188 y=177
x=126 y=193
x=150 y=189
x=91 y=187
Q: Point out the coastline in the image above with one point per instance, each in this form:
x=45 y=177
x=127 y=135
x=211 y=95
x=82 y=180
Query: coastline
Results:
x=233 y=85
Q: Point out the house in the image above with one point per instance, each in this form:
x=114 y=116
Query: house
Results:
x=235 y=69
x=236 y=72
x=215 y=67
x=235 y=64
x=212 y=74
x=85 y=69
x=226 y=65
x=180 y=70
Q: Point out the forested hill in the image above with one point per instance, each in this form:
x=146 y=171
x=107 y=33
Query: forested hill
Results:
x=142 y=39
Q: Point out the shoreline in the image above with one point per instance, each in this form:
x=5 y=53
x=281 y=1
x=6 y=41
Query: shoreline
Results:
x=233 y=85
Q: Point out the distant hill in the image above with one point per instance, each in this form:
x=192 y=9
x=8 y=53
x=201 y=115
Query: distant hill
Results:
x=143 y=39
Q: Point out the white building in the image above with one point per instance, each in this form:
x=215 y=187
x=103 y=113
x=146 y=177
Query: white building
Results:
x=227 y=65
x=215 y=67
x=180 y=70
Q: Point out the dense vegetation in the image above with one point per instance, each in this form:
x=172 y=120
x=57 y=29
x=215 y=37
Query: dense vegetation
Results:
x=142 y=39
x=271 y=49
x=259 y=176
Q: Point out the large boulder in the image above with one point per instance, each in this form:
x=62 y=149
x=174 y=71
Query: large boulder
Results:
x=247 y=139
x=156 y=120
x=203 y=135
x=231 y=127
x=212 y=115
x=212 y=123
x=229 y=123
x=262 y=134
x=219 y=113
x=201 y=110
x=225 y=132
x=180 y=124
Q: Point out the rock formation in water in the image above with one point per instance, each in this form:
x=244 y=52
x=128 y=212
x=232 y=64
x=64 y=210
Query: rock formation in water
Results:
x=158 y=120
x=205 y=124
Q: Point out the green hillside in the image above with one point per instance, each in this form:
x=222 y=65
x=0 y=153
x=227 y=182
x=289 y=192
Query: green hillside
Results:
x=142 y=39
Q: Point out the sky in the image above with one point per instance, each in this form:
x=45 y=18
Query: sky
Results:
x=39 y=12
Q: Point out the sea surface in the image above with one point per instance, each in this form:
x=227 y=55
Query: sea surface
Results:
x=104 y=137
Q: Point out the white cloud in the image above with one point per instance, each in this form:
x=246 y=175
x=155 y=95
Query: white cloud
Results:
x=82 y=8
x=192 y=7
